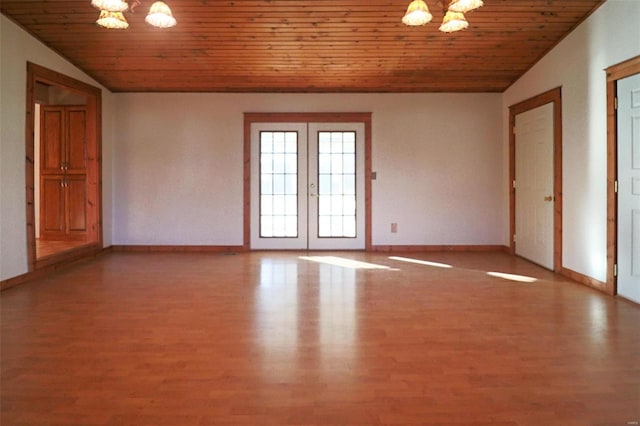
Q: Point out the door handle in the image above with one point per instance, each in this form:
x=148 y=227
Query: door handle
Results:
x=548 y=198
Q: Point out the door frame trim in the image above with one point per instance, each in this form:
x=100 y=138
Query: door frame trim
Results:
x=303 y=117
x=614 y=73
x=552 y=96
x=37 y=73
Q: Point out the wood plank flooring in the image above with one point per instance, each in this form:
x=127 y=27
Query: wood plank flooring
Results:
x=46 y=248
x=272 y=338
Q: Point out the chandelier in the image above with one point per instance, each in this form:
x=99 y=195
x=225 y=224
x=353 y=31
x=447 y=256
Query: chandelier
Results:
x=111 y=15
x=418 y=14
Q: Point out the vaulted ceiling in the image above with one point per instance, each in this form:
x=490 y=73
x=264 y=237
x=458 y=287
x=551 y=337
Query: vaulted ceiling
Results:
x=303 y=45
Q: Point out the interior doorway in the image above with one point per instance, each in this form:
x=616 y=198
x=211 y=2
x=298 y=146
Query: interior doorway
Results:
x=535 y=184
x=320 y=205
x=63 y=167
x=59 y=170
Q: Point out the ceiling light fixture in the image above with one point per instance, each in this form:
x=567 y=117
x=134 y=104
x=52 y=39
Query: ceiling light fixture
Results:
x=110 y=5
x=464 y=6
x=111 y=14
x=453 y=21
x=112 y=20
x=160 y=15
x=418 y=14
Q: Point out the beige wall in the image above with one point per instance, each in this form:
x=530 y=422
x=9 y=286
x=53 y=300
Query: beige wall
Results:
x=178 y=165
x=611 y=35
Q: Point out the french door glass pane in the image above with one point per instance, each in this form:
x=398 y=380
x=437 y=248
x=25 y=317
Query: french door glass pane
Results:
x=278 y=184
x=336 y=184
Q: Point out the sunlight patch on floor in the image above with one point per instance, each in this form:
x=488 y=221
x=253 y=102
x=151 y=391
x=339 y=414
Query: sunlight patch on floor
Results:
x=420 y=262
x=341 y=261
x=513 y=277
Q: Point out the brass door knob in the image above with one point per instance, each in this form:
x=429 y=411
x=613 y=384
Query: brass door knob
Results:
x=548 y=198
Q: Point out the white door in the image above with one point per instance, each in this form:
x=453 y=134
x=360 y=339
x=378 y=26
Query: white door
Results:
x=629 y=187
x=534 y=185
x=307 y=186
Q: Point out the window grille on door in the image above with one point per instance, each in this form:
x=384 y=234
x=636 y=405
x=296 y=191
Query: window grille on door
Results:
x=336 y=184
x=278 y=184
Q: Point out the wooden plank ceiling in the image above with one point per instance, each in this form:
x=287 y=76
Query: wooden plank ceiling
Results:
x=303 y=45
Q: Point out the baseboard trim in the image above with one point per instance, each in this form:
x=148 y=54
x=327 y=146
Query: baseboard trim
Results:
x=177 y=249
x=434 y=248
x=53 y=264
x=585 y=280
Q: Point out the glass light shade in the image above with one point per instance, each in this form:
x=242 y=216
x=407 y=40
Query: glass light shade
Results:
x=453 y=21
x=417 y=14
x=160 y=15
x=110 y=5
x=113 y=20
x=464 y=6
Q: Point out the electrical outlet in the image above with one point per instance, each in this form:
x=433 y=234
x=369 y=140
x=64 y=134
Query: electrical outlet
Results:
x=394 y=228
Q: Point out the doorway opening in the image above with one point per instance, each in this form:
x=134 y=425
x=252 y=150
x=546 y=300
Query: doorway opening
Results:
x=307 y=181
x=553 y=97
x=615 y=73
x=63 y=168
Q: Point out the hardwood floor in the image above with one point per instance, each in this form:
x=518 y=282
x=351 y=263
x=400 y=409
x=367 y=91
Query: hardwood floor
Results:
x=273 y=338
x=45 y=248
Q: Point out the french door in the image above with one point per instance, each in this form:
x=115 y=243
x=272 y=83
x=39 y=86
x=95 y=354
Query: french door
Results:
x=307 y=186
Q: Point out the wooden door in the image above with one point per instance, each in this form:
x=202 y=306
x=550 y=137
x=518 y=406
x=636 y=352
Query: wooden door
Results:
x=534 y=185
x=629 y=188
x=63 y=174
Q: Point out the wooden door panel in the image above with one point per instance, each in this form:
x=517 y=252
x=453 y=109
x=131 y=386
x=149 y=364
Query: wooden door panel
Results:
x=76 y=188
x=76 y=148
x=52 y=139
x=52 y=216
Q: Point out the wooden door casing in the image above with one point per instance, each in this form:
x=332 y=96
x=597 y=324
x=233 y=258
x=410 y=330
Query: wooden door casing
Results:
x=93 y=241
x=552 y=96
